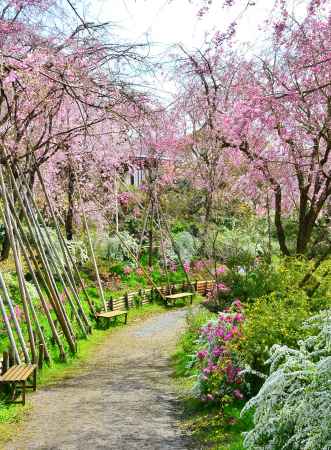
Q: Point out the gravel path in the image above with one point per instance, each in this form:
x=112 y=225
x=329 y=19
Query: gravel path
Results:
x=123 y=400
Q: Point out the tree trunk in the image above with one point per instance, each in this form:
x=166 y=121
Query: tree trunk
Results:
x=208 y=211
x=150 y=238
x=69 y=221
x=278 y=221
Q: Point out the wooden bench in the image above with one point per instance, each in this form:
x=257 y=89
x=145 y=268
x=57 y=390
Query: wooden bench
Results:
x=174 y=297
x=18 y=375
x=109 y=315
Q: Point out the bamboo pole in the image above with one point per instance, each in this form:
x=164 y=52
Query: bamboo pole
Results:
x=37 y=237
x=10 y=223
x=66 y=271
x=53 y=257
x=32 y=309
x=91 y=246
x=18 y=268
x=9 y=330
x=30 y=256
x=13 y=316
x=174 y=245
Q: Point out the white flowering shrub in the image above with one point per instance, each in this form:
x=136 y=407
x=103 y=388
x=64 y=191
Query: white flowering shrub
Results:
x=78 y=251
x=77 y=248
x=11 y=283
x=293 y=407
x=118 y=247
x=185 y=244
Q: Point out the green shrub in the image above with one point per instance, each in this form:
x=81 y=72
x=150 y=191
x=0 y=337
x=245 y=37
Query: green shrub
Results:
x=272 y=319
x=277 y=317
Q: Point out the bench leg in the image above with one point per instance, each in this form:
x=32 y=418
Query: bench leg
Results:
x=23 y=392
x=126 y=319
x=35 y=380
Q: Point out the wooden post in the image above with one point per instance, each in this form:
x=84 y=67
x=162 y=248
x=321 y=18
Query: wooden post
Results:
x=111 y=304
x=41 y=356
x=12 y=357
x=5 y=362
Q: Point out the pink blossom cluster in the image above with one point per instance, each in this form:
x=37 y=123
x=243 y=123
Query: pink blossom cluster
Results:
x=127 y=270
x=217 y=359
x=186 y=266
x=172 y=266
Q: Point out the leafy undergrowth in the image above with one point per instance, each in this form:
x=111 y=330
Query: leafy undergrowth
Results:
x=210 y=427
x=214 y=429
x=10 y=418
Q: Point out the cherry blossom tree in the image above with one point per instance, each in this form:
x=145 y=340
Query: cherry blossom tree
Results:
x=271 y=119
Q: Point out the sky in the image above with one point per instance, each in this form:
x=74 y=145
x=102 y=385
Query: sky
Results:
x=165 y=23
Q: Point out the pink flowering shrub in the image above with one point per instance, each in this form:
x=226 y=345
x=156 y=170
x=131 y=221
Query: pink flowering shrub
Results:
x=186 y=266
x=127 y=270
x=218 y=362
x=172 y=266
x=218 y=297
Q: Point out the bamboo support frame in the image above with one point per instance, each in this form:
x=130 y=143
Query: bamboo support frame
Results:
x=9 y=331
x=18 y=269
x=40 y=293
x=66 y=270
x=13 y=316
x=56 y=301
x=102 y=295
x=63 y=244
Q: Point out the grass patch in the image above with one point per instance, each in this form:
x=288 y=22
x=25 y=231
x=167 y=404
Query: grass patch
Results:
x=215 y=429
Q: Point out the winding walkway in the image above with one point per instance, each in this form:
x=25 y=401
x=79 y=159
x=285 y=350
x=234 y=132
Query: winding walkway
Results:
x=122 y=400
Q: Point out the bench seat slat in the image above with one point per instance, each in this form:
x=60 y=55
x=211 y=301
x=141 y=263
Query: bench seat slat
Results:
x=110 y=314
x=18 y=373
x=180 y=295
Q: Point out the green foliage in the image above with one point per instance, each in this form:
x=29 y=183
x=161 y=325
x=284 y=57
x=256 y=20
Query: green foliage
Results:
x=270 y=320
x=277 y=317
x=257 y=281
x=293 y=407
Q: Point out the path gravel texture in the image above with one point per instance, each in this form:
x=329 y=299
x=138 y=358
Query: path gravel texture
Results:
x=122 y=400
